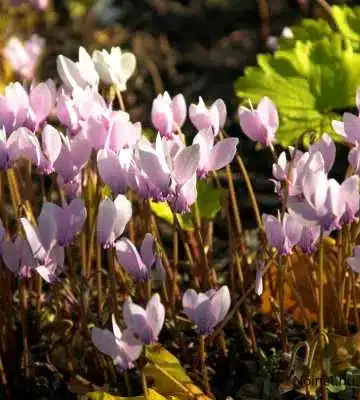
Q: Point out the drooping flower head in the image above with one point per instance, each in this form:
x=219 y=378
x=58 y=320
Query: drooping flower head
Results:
x=122 y=347
x=260 y=125
x=207 y=309
x=146 y=323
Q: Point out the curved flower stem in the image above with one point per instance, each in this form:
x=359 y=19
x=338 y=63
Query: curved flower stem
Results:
x=236 y=306
x=250 y=189
x=281 y=291
x=201 y=246
x=99 y=278
x=120 y=98
x=204 y=371
x=24 y=325
x=112 y=278
x=144 y=385
x=251 y=192
x=187 y=251
x=321 y=312
x=175 y=265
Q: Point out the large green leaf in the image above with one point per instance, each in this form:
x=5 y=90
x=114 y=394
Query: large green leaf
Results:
x=309 y=83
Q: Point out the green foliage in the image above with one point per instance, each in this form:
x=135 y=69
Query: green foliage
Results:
x=311 y=78
x=208 y=203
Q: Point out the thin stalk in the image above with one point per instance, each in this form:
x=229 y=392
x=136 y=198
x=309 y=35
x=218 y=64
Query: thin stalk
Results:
x=120 y=98
x=281 y=291
x=233 y=199
x=144 y=385
x=354 y=302
x=250 y=191
x=3 y=378
x=127 y=383
x=187 y=252
x=99 y=278
x=14 y=190
x=112 y=278
x=236 y=306
x=321 y=311
x=175 y=265
x=83 y=250
x=204 y=371
x=24 y=325
x=200 y=245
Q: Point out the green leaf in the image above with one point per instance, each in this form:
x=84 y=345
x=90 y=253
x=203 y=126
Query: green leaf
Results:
x=347 y=20
x=309 y=83
x=163 y=211
x=208 y=203
x=209 y=199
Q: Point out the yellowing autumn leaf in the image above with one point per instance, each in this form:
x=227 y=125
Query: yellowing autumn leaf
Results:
x=152 y=395
x=168 y=376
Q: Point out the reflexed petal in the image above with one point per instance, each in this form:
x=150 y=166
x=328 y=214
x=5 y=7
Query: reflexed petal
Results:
x=155 y=314
x=190 y=303
x=105 y=342
x=123 y=214
x=33 y=238
x=135 y=318
x=105 y=222
x=186 y=163
x=222 y=154
x=129 y=258
x=51 y=142
x=147 y=250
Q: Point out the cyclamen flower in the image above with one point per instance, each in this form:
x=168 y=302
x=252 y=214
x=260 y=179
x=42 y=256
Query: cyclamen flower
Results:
x=260 y=125
x=326 y=202
x=114 y=168
x=112 y=219
x=122 y=347
x=213 y=158
x=204 y=118
x=18 y=257
x=48 y=255
x=42 y=99
x=168 y=115
x=207 y=309
x=326 y=147
x=116 y=67
x=169 y=172
x=74 y=110
x=310 y=234
x=282 y=235
x=73 y=157
x=20 y=144
x=139 y=264
x=78 y=74
x=52 y=146
x=14 y=107
x=24 y=58
x=113 y=131
x=69 y=219
x=146 y=323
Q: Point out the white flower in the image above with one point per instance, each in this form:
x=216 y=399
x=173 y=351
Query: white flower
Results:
x=78 y=74
x=116 y=67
